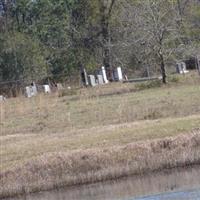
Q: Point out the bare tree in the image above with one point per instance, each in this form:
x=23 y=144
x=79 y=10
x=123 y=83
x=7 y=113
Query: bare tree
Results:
x=106 y=8
x=154 y=24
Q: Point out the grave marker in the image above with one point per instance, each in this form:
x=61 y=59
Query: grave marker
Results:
x=84 y=77
x=34 y=89
x=118 y=76
x=28 y=92
x=47 y=89
x=2 y=98
x=181 y=68
x=31 y=90
x=100 y=79
x=92 y=80
x=103 y=72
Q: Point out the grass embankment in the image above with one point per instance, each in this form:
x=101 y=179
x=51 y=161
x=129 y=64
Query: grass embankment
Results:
x=54 y=170
x=51 y=141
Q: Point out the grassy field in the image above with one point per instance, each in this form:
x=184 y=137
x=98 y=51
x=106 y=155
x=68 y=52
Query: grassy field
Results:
x=106 y=117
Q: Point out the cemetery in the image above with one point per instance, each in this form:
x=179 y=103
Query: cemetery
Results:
x=99 y=120
x=97 y=90
x=100 y=78
x=95 y=118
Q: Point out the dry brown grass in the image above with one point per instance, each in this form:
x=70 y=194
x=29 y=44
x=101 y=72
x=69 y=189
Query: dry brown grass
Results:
x=97 y=134
x=19 y=148
x=80 y=167
x=51 y=114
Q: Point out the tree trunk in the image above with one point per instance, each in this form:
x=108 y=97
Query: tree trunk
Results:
x=163 y=71
x=179 y=8
x=198 y=63
x=106 y=43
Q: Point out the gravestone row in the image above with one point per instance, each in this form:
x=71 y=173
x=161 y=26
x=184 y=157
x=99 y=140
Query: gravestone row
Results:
x=92 y=80
x=33 y=90
x=101 y=77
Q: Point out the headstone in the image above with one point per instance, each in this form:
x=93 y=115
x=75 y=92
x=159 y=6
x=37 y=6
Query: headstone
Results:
x=31 y=90
x=92 y=80
x=100 y=79
x=103 y=72
x=2 y=98
x=47 y=89
x=84 y=77
x=183 y=65
x=34 y=89
x=181 y=68
x=118 y=74
x=178 y=68
x=28 y=92
x=59 y=86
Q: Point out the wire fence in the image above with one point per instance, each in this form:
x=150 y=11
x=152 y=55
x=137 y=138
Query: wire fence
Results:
x=14 y=88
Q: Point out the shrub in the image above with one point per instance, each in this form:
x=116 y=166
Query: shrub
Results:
x=148 y=85
x=174 y=79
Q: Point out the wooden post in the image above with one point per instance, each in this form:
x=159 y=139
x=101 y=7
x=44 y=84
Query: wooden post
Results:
x=198 y=64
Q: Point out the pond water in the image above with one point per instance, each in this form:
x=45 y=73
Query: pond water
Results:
x=177 y=184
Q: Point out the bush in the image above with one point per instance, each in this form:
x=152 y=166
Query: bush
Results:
x=174 y=79
x=67 y=92
x=148 y=85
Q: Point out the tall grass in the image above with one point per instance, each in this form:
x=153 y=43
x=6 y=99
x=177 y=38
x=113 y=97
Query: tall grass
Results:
x=58 y=114
x=59 y=169
x=96 y=134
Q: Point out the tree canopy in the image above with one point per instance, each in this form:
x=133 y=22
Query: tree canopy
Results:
x=47 y=38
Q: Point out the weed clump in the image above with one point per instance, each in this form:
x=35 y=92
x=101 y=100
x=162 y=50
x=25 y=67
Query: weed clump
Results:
x=67 y=92
x=174 y=79
x=148 y=85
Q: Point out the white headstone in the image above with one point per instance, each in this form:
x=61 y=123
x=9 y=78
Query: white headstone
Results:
x=178 y=68
x=92 y=80
x=31 y=91
x=118 y=74
x=100 y=79
x=104 y=75
x=28 y=92
x=181 y=68
x=47 y=89
x=34 y=89
x=2 y=98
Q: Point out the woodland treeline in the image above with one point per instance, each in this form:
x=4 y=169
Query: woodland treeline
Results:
x=54 y=38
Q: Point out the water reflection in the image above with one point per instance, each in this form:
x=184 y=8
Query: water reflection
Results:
x=128 y=188
x=186 y=195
